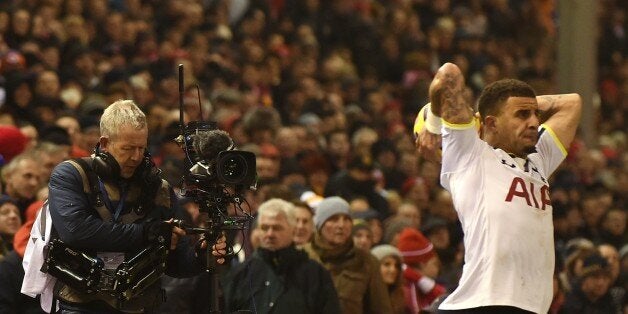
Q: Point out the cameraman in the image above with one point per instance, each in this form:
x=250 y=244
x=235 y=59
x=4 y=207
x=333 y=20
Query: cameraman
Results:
x=135 y=209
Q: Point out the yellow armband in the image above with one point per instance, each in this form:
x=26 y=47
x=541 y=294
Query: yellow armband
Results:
x=419 y=121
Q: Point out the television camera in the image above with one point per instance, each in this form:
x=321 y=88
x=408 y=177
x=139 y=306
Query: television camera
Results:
x=218 y=176
x=216 y=181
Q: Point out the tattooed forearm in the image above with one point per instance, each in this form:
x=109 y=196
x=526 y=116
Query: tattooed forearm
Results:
x=448 y=95
x=561 y=113
x=548 y=105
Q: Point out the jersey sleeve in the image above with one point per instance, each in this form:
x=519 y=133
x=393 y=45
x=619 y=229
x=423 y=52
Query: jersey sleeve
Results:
x=550 y=150
x=461 y=146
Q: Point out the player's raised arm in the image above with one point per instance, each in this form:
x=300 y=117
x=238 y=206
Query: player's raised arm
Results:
x=447 y=96
x=561 y=114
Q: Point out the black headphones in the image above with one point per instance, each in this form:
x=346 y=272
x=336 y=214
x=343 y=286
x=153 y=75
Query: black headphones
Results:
x=107 y=167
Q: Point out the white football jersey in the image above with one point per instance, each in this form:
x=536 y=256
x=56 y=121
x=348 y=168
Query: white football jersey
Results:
x=504 y=206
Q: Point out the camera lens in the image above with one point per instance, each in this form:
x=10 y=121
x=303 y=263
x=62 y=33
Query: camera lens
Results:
x=234 y=169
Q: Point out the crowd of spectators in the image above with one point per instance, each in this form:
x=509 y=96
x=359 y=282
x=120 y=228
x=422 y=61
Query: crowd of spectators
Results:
x=325 y=93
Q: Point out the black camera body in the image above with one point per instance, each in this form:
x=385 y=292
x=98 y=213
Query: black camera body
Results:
x=230 y=168
x=218 y=176
x=213 y=159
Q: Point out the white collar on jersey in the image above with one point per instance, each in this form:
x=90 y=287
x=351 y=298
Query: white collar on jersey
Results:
x=519 y=161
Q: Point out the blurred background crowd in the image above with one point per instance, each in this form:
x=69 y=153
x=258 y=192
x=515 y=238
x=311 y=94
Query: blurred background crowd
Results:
x=324 y=92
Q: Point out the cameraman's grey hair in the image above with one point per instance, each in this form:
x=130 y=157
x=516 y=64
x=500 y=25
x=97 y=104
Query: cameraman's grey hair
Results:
x=277 y=206
x=119 y=113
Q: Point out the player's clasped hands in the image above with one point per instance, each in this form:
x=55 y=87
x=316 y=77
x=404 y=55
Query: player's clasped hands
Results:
x=428 y=145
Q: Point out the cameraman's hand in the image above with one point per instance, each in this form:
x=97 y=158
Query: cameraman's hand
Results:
x=219 y=249
x=164 y=231
x=177 y=233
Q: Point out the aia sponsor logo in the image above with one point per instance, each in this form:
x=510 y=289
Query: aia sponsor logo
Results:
x=533 y=195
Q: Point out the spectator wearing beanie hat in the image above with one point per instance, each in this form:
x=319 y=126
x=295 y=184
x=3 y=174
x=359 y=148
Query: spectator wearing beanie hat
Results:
x=390 y=267
x=355 y=272
x=329 y=207
x=419 y=270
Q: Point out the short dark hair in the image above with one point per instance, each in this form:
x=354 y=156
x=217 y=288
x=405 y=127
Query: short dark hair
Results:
x=495 y=95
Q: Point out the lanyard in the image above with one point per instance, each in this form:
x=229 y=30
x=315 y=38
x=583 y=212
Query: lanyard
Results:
x=107 y=200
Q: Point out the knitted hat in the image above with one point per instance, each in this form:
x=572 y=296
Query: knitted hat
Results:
x=328 y=207
x=383 y=250
x=414 y=246
x=12 y=142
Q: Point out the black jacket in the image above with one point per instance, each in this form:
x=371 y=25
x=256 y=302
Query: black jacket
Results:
x=11 y=276
x=576 y=302
x=284 y=281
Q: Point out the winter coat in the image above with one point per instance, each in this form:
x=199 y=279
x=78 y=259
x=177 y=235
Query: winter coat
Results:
x=11 y=300
x=282 y=281
x=356 y=276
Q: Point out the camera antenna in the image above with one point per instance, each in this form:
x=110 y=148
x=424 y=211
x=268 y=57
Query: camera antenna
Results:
x=200 y=108
x=183 y=138
x=181 y=92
